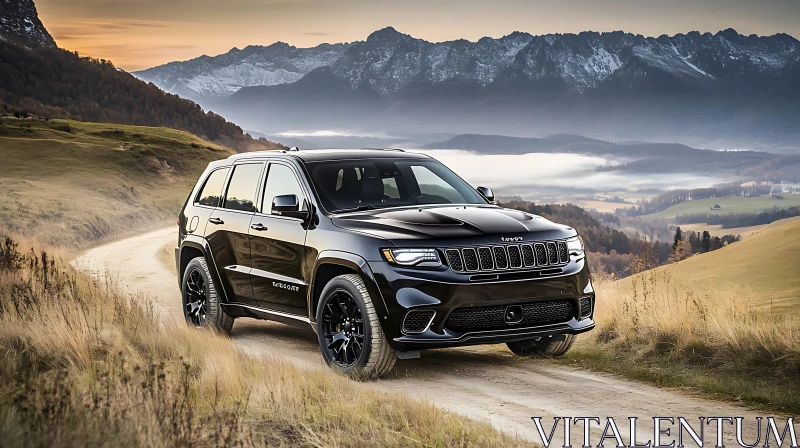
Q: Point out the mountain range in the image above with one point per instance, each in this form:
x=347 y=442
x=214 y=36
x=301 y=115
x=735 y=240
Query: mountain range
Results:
x=717 y=90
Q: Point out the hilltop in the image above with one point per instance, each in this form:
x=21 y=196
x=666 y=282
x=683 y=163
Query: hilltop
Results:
x=73 y=184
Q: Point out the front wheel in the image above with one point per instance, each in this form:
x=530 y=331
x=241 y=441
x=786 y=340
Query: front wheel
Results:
x=350 y=335
x=201 y=303
x=555 y=346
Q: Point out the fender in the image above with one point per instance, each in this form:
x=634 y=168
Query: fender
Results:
x=200 y=243
x=356 y=263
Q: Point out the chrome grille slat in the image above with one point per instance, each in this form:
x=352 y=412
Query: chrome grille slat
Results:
x=486 y=259
x=470 y=259
x=552 y=253
x=514 y=257
x=500 y=257
x=527 y=255
x=541 y=254
x=563 y=252
x=505 y=257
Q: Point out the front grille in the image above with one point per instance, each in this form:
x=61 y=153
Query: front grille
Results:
x=586 y=307
x=493 y=317
x=511 y=256
x=417 y=321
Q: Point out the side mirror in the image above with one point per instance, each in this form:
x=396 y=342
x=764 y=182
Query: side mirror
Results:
x=487 y=193
x=288 y=205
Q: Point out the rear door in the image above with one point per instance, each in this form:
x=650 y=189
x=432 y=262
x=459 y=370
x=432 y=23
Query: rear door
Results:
x=208 y=197
x=227 y=230
x=278 y=245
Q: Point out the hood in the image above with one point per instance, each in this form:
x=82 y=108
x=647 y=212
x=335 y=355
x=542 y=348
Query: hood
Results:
x=453 y=222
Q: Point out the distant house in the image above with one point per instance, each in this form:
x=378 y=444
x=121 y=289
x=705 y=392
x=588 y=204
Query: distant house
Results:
x=715 y=207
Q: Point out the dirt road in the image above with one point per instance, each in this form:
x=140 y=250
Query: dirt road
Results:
x=483 y=383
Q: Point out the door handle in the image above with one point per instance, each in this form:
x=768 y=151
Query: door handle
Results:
x=259 y=227
x=216 y=221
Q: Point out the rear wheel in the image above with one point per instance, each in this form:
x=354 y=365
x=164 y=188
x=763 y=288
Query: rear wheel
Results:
x=201 y=303
x=555 y=346
x=350 y=336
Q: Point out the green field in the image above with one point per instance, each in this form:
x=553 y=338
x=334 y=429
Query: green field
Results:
x=728 y=205
x=71 y=184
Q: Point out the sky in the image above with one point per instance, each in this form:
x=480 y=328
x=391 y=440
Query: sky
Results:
x=138 y=34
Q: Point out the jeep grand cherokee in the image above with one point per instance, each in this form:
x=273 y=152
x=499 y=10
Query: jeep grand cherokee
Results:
x=382 y=252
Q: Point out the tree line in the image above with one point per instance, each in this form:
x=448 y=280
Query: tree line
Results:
x=55 y=83
x=670 y=198
x=734 y=220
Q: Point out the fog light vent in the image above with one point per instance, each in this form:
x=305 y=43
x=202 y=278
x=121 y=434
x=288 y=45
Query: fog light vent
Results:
x=417 y=321
x=586 y=307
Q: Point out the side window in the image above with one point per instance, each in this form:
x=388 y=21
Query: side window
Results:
x=242 y=189
x=280 y=181
x=212 y=190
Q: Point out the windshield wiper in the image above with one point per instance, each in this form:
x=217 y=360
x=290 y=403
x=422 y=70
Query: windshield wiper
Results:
x=360 y=208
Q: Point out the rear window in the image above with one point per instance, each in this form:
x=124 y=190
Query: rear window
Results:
x=212 y=190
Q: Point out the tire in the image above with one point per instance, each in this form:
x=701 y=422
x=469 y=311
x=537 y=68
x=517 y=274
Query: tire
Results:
x=376 y=358
x=542 y=346
x=207 y=315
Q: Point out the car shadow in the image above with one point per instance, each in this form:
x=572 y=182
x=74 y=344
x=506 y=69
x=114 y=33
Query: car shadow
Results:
x=462 y=361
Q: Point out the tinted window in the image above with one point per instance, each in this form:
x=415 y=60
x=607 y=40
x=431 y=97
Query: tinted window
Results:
x=212 y=190
x=389 y=183
x=242 y=189
x=280 y=181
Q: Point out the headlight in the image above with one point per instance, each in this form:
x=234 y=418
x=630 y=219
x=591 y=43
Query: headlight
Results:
x=575 y=246
x=412 y=257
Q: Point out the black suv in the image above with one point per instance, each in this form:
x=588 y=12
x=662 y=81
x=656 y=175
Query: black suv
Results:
x=382 y=252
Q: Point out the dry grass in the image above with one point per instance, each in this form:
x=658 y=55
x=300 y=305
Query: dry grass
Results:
x=707 y=323
x=85 y=365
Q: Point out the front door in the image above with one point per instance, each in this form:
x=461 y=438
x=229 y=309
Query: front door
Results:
x=278 y=246
x=227 y=231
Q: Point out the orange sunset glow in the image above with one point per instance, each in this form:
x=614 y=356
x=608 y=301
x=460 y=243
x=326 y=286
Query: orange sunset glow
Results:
x=138 y=34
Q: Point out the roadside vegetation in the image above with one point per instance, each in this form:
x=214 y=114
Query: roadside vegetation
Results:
x=725 y=323
x=72 y=184
x=84 y=364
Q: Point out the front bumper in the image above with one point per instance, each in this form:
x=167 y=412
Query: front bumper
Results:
x=444 y=291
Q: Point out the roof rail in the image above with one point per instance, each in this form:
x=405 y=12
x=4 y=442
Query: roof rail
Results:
x=387 y=149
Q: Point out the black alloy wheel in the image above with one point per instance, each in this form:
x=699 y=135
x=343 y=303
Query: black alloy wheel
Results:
x=195 y=299
x=343 y=327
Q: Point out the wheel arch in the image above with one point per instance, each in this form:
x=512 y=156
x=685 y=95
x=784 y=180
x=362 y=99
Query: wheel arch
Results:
x=191 y=248
x=331 y=264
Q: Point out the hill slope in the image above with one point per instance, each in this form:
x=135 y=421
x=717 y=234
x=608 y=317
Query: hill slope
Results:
x=72 y=184
x=763 y=266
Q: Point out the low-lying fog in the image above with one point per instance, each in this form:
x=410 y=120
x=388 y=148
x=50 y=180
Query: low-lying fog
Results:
x=531 y=175
x=551 y=176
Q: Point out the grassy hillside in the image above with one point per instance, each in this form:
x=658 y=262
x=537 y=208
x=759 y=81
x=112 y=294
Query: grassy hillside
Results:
x=764 y=265
x=72 y=184
x=724 y=322
x=84 y=364
x=728 y=204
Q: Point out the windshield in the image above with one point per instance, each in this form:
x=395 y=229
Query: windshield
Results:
x=378 y=183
